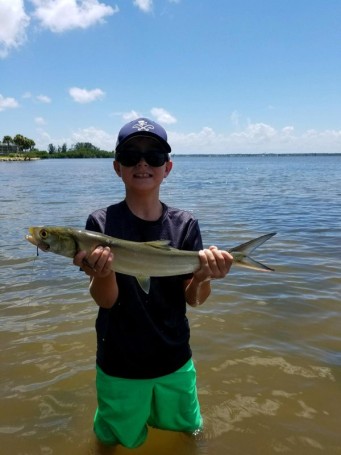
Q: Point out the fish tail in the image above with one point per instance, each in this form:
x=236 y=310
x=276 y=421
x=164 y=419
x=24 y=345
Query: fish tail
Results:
x=250 y=263
x=241 y=253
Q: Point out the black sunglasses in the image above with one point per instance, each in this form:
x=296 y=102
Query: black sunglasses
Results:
x=132 y=158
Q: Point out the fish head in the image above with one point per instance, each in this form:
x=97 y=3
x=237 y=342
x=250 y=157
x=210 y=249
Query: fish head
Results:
x=55 y=239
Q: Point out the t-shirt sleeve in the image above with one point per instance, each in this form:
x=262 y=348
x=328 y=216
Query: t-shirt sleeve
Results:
x=193 y=240
x=92 y=224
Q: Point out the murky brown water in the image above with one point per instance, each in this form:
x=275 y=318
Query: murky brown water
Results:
x=266 y=346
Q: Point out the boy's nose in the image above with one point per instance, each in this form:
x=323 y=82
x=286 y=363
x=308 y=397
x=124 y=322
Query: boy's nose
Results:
x=142 y=161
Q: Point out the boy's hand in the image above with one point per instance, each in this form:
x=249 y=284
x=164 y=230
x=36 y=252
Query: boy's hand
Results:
x=214 y=263
x=96 y=264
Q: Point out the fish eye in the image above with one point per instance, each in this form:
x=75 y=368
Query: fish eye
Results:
x=43 y=234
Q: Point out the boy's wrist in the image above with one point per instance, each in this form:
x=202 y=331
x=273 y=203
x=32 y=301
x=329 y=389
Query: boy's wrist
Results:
x=110 y=275
x=199 y=281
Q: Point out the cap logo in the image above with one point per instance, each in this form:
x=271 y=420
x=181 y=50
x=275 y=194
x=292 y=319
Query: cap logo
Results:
x=142 y=125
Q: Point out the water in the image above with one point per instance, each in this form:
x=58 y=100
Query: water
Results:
x=266 y=346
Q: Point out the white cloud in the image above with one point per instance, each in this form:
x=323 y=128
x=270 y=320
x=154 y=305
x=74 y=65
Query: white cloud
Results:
x=253 y=138
x=39 y=121
x=256 y=133
x=81 y=95
x=144 y=5
x=130 y=116
x=61 y=15
x=97 y=137
x=288 y=130
x=269 y=140
x=8 y=103
x=44 y=99
x=43 y=139
x=256 y=138
x=13 y=24
x=203 y=141
x=162 y=116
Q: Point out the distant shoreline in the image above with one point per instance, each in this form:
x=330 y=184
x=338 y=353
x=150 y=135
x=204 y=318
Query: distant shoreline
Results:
x=211 y=155
x=19 y=158
x=257 y=154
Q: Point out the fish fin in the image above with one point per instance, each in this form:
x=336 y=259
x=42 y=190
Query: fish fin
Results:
x=144 y=282
x=250 y=246
x=250 y=263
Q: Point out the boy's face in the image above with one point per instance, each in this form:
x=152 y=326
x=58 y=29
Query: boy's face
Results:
x=141 y=170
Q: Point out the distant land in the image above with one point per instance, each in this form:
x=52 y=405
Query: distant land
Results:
x=257 y=154
x=32 y=156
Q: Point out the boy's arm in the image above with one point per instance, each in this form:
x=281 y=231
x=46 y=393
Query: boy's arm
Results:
x=196 y=292
x=103 y=286
x=214 y=264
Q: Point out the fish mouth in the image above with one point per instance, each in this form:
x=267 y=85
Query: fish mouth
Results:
x=31 y=239
x=41 y=245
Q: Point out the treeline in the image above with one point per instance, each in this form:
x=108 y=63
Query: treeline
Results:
x=79 y=150
x=69 y=154
x=21 y=144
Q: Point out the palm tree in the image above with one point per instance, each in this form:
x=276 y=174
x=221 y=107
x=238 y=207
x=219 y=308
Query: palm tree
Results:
x=19 y=141
x=7 y=140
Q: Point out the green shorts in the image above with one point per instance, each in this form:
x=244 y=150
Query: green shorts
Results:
x=127 y=406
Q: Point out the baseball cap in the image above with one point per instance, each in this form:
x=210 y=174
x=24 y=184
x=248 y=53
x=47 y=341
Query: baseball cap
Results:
x=142 y=127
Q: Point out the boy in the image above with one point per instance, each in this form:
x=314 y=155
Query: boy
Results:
x=145 y=372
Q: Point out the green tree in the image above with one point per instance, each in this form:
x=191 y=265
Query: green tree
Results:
x=24 y=143
x=51 y=149
x=62 y=149
x=19 y=141
x=84 y=146
x=29 y=144
x=7 y=140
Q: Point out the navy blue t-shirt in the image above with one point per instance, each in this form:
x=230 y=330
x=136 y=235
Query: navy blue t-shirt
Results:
x=145 y=335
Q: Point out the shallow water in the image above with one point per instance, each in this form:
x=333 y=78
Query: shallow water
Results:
x=266 y=346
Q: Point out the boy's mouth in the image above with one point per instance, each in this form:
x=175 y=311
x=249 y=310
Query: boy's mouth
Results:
x=142 y=175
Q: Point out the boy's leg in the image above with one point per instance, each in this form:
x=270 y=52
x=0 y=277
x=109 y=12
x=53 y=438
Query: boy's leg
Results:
x=123 y=410
x=175 y=401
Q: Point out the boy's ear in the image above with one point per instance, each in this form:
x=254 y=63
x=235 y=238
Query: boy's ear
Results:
x=117 y=167
x=168 y=168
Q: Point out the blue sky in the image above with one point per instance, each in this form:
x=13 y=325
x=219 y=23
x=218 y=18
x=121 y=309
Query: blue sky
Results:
x=222 y=76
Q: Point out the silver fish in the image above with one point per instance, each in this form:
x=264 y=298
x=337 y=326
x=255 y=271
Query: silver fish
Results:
x=139 y=259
